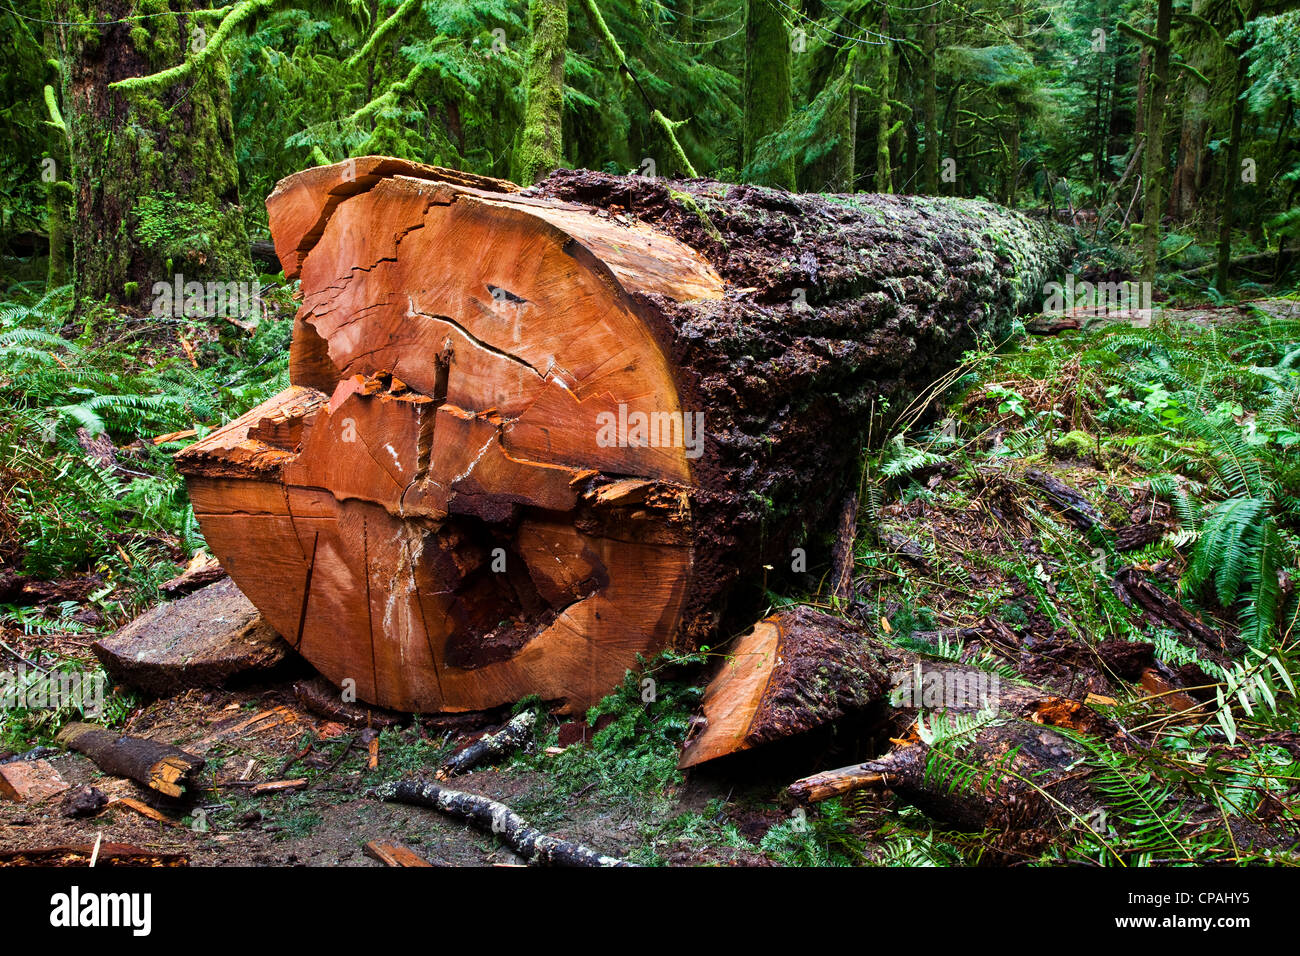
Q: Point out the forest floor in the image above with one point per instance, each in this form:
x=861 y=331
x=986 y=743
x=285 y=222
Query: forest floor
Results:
x=1067 y=479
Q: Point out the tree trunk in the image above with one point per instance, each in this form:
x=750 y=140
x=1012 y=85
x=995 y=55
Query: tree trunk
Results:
x=929 y=101
x=532 y=436
x=846 y=154
x=884 y=128
x=156 y=189
x=541 y=149
x=1189 y=170
x=1231 y=168
x=1154 y=177
x=58 y=191
x=767 y=85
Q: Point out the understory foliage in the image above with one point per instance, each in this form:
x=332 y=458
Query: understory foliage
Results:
x=85 y=487
x=1189 y=425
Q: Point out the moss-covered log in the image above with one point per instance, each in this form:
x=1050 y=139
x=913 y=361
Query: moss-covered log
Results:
x=535 y=434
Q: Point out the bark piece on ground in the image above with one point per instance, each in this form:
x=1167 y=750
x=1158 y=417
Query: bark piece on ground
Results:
x=394 y=854
x=26 y=781
x=202 y=640
x=1077 y=509
x=83 y=801
x=108 y=854
x=202 y=570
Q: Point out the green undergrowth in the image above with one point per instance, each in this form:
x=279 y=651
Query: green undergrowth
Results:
x=85 y=491
x=1188 y=427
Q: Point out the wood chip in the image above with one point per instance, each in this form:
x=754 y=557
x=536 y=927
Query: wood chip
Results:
x=394 y=854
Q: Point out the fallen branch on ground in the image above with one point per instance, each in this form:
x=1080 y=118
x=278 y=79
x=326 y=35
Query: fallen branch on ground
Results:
x=493 y=817
x=491 y=747
x=157 y=766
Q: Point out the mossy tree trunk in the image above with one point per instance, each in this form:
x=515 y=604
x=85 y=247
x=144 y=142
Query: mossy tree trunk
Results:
x=884 y=90
x=54 y=172
x=767 y=85
x=153 y=169
x=929 y=102
x=1189 y=170
x=543 y=141
x=1154 y=161
x=1231 y=169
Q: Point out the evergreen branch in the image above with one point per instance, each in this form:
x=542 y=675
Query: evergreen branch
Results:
x=665 y=124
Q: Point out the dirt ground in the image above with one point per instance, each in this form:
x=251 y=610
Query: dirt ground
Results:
x=253 y=732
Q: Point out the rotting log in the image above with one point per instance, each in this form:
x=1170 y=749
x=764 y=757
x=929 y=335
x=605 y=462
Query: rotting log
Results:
x=800 y=669
x=968 y=747
x=534 y=434
x=161 y=767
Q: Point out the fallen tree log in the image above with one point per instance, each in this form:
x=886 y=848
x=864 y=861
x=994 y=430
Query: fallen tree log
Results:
x=161 y=767
x=496 y=818
x=533 y=434
x=801 y=669
x=969 y=747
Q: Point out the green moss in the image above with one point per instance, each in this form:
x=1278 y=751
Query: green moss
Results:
x=687 y=202
x=141 y=150
x=1076 y=443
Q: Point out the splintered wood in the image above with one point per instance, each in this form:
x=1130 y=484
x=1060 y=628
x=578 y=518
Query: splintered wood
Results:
x=492 y=476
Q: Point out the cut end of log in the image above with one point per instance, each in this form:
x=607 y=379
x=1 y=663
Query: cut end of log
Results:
x=795 y=671
x=433 y=512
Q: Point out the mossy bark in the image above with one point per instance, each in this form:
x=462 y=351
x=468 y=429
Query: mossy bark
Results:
x=884 y=90
x=153 y=171
x=846 y=152
x=767 y=85
x=929 y=102
x=1231 y=168
x=58 y=192
x=541 y=148
x=1155 y=160
x=846 y=300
